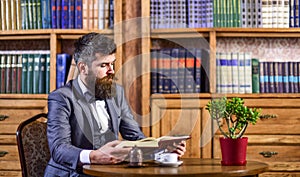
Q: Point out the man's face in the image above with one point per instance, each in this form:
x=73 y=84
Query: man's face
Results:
x=100 y=76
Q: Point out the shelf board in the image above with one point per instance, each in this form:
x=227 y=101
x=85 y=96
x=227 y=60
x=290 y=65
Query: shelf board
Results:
x=180 y=33
x=210 y=95
x=24 y=96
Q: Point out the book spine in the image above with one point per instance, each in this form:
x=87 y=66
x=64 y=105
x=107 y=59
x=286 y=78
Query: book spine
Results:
x=198 y=58
x=2 y=72
x=36 y=72
x=244 y=15
x=64 y=14
x=166 y=60
x=261 y=77
x=38 y=14
x=205 y=71
x=285 y=78
x=296 y=76
x=296 y=13
x=286 y=14
x=229 y=72
x=59 y=14
x=209 y=13
x=218 y=73
x=47 y=89
x=291 y=77
x=18 y=15
x=255 y=75
x=235 y=71
x=8 y=74
x=85 y=14
x=280 y=77
x=91 y=14
x=13 y=73
x=53 y=14
x=42 y=74
x=154 y=85
x=24 y=14
x=101 y=14
x=3 y=14
x=13 y=15
x=224 y=75
x=111 y=14
x=266 y=77
x=78 y=14
x=19 y=73
x=291 y=13
x=30 y=62
x=24 y=73
x=271 y=77
x=241 y=65
x=181 y=70
x=8 y=15
x=71 y=14
x=46 y=14
x=174 y=70
x=189 y=73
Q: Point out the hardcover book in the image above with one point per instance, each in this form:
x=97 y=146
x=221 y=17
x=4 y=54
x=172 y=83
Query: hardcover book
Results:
x=255 y=75
x=63 y=62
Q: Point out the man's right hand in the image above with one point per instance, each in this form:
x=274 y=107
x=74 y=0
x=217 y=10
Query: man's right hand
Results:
x=109 y=154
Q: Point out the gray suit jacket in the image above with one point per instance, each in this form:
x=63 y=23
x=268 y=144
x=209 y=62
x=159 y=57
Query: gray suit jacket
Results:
x=70 y=130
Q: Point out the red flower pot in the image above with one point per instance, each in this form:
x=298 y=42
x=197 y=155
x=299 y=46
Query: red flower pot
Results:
x=233 y=151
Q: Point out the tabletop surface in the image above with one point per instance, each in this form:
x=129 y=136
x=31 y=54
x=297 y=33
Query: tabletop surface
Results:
x=189 y=167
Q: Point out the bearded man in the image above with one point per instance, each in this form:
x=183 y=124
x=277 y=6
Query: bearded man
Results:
x=86 y=116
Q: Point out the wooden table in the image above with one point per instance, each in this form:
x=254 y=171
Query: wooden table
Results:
x=190 y=167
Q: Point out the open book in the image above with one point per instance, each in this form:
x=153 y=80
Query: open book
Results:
x=151 y=142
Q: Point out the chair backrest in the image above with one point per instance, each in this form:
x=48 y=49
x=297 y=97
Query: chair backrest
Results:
x=33 y=145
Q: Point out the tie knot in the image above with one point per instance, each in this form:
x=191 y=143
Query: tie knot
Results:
x=91 y=97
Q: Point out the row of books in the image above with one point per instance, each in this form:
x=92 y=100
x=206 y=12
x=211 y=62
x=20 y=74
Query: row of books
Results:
x=26 y=72
x=238 y=72
x=181 y=13
x=179 y=70
x=279 y=77
x=224 y=13
x=63 y=63
x=60 y=14
x=233 y=72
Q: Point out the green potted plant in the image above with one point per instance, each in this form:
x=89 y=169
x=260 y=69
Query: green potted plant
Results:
x=232 y=118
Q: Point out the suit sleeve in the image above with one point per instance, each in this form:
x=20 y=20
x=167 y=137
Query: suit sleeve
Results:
x=59 y=131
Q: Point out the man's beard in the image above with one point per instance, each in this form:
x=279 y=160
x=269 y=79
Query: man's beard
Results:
x=104 y=88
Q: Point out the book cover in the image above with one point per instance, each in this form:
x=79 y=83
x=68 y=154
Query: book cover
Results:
x=13 y=12
x=154 y=86
x=62 y=68
x=18 y=15
x=255 y=75
x=174 y=70
x=266 y=78
x=24 y=72
x=8 y=15
x=279 y=70
x=53 y=14
x=30 y=14
x=78 y=14
x=3 y=14
x=46 y=14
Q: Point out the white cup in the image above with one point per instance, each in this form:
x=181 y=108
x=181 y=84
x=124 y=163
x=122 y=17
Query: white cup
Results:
x=169 y=157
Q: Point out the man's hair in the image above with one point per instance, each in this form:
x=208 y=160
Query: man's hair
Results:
x=89 y=44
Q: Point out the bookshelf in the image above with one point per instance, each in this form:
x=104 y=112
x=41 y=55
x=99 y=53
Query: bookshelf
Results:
x=19 y=107
x=175 y=112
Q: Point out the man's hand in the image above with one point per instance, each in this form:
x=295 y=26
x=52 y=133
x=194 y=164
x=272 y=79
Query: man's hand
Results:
x=180 y=148
x=109 y=154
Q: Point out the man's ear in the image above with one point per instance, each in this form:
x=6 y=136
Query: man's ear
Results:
x=82 y=67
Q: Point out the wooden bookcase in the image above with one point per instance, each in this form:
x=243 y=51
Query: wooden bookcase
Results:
x=182 y=113
x=19 y=107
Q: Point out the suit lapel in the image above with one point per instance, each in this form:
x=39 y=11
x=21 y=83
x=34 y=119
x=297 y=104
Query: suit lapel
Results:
x=114 y=115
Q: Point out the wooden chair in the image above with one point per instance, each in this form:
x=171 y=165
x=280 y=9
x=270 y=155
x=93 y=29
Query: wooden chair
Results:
x=33 y=145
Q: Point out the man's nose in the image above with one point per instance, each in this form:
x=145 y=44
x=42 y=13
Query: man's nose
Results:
x=110 y=69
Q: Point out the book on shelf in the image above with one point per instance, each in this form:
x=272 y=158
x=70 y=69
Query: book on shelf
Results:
x=8 y=74
x=14 y=73
x=166 y=67
x=296 y=76
x=64 y=14
x=174 y=70
x=78 y=14
x=261 y=77
x=181 y=70
x=47 y=89
x=2 y=73
x=255 y=75
x=46 y=14
x=154 y=74
x=53 y=14
x=36 y=73
x=63 y=62
x=29 y=83
x=189 y=82
x=19 y=73
x=235 y=72
x=248 y=73
x=271 y=83
x=197 y=75
x=42 y=74
x=71 y=14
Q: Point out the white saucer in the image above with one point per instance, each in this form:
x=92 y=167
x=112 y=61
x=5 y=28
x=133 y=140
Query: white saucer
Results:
x=170 y=164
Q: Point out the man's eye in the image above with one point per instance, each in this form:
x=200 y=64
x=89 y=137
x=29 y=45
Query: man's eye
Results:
x=103 y=65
